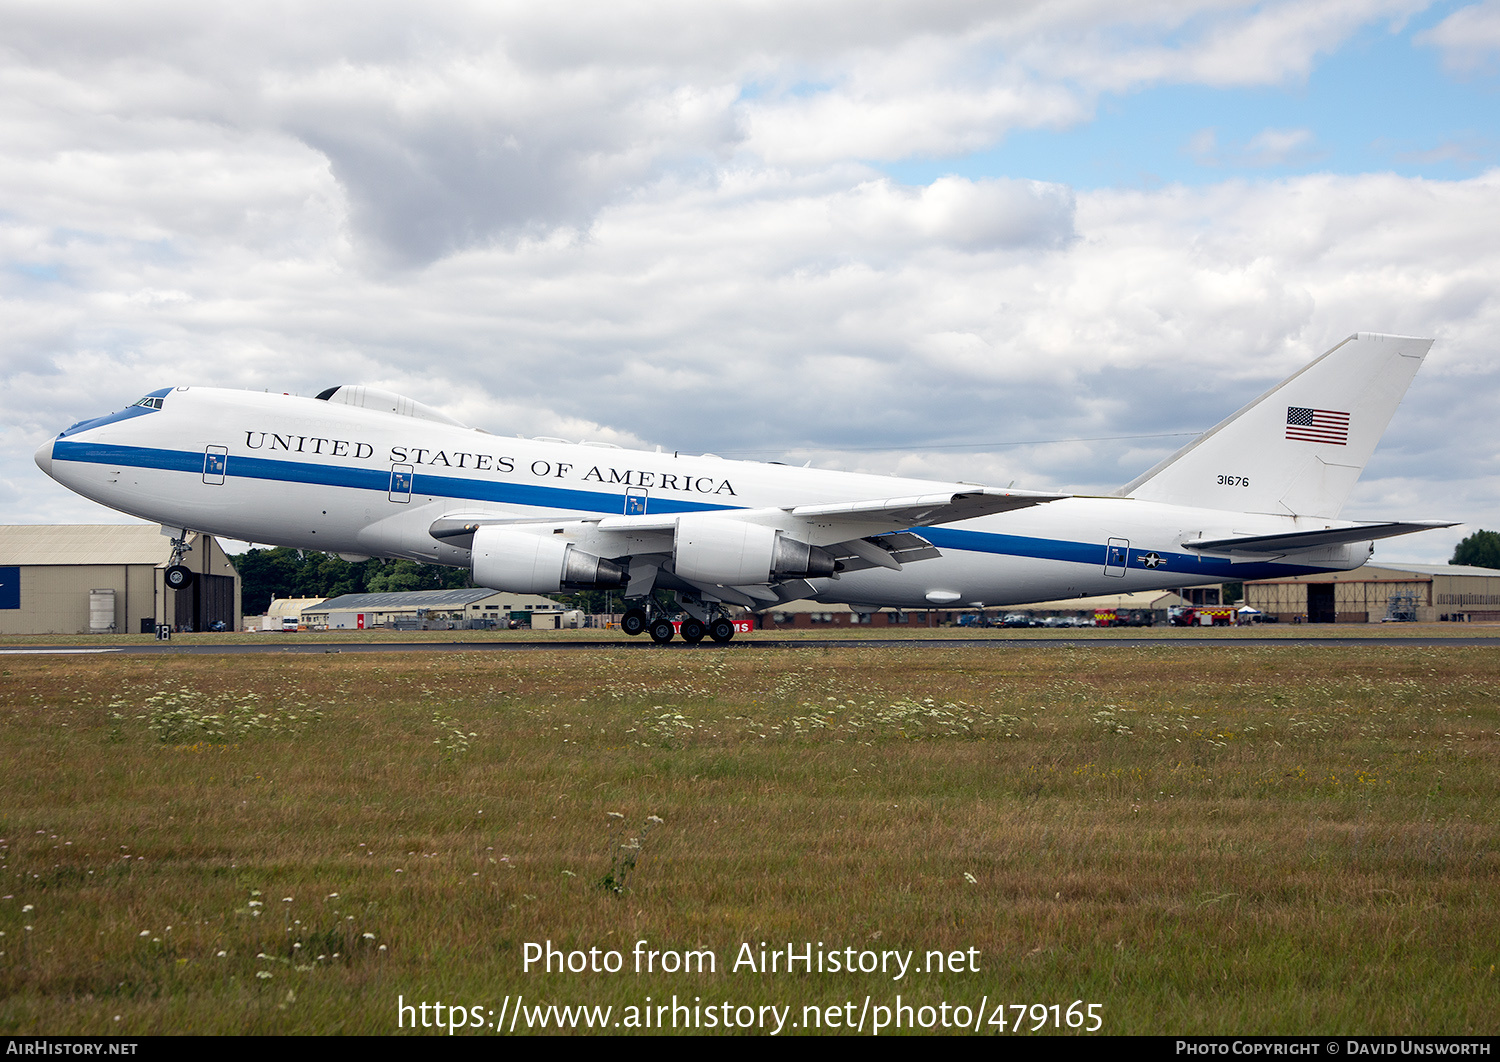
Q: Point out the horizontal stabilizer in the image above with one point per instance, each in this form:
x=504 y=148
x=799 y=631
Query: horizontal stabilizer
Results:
x=1304 y=540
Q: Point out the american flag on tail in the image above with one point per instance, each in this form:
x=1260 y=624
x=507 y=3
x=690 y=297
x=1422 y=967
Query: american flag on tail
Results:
x=1317 y=425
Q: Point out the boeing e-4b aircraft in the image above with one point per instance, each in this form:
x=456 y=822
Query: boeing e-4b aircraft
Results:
x=362 y=472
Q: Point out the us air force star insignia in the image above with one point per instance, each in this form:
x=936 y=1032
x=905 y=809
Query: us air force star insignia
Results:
x=1152 y=560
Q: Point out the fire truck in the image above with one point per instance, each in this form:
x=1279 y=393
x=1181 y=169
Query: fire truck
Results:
x=1203 y=616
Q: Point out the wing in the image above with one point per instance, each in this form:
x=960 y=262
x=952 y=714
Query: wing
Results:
x=753 y=557
x=824 y=524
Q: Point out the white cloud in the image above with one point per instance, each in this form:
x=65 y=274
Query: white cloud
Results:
x=1276 y=147
x=762 y=312
x=638 y=224
x=1469 y=39
x=447 y=126
x=1269 y=147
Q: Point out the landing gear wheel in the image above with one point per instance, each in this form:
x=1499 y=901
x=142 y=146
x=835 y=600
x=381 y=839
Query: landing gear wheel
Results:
x=721 y=630
x=693 y=631
x=179 y=577
x=662 y=631
x=634 y=621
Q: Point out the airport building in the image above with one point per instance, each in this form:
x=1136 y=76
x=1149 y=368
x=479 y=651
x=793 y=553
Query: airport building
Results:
x=1416 y=592
x=470 y=609
x=110 y=578
x=284 y=613
x=1147 y=606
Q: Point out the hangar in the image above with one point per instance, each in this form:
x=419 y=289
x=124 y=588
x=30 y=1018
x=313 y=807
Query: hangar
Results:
x=473 y=608
x=1153 y=603
x=110 y=578
x=1375 y=592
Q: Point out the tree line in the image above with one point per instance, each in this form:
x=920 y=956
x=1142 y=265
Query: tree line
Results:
x=266 y=574
x=1481 y=549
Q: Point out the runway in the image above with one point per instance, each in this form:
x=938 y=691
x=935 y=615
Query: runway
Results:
x=751 y=645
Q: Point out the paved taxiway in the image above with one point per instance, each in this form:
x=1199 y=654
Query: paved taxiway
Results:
x=241 y=648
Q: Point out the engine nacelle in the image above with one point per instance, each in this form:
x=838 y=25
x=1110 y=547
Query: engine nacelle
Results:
x=716 y=549
x=527 y=563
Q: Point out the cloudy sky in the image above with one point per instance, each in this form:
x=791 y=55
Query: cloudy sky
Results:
x=1021 y=241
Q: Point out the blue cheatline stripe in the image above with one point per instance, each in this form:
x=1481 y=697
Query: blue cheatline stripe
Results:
x=1014 y=545
x=1212 y=569
x=463 y=489
x=134 y=456
x=374 y=479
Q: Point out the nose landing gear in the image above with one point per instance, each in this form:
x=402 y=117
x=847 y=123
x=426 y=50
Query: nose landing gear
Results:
x=178 y=576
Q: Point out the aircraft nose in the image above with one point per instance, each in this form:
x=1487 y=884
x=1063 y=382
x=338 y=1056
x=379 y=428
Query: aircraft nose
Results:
x=44 y=456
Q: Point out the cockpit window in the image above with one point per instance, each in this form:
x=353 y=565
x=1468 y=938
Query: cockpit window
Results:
x=149 y=403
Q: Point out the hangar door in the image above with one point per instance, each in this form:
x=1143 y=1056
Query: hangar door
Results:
x=1320 y=607
x=208 y=601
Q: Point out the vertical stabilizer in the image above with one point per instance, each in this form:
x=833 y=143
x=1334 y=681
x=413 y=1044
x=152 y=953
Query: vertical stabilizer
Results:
x=1298 y=448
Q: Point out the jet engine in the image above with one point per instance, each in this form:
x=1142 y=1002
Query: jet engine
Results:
x=527 y=563
x=713 y=549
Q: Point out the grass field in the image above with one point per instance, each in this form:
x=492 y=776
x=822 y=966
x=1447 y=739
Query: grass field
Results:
x=1268 y=632
x=1245 y=839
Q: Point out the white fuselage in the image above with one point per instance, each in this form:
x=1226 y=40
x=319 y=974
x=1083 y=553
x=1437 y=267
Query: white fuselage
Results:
x=320 y=475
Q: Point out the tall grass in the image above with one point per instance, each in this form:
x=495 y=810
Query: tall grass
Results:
x=1256 y=840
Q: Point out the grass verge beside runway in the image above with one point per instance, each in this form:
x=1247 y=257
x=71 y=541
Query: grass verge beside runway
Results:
x=1262 y=839
x=1267 y=632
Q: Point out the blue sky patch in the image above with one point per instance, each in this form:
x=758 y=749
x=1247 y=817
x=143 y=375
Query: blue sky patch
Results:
x=1381 y=103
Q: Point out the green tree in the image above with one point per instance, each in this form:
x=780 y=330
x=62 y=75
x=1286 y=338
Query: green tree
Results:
x=266 y=574
x=1481 y=549
x=397 y=577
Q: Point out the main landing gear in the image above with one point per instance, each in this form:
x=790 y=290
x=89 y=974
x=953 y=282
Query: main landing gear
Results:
x=634 y=621
x=638 y=621
x=712 y=624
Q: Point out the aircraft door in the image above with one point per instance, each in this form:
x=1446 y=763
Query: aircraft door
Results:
x=215 y=464
x=635 y=501
x=401 y=477
x=1116 y=557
